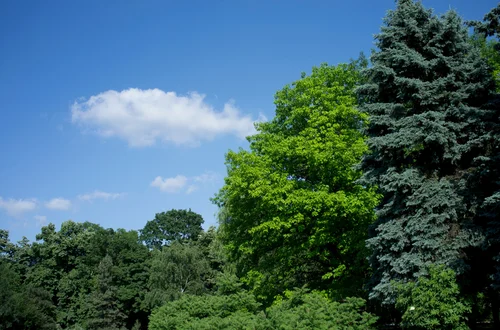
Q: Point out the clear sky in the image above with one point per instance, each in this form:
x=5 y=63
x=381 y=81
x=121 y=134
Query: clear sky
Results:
x=112 y=111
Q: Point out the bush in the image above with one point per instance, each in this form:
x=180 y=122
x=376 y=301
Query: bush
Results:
x=298 y=310
x=432 y=302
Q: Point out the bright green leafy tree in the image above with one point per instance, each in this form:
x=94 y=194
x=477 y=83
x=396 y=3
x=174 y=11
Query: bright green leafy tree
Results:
x=432 y=302
x=293 y=214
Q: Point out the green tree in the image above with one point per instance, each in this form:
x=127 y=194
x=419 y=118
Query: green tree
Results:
x=178 y=269
x=23 y=306
x=173 y=225
x=130 y=273
x=432 y=302
x=292 y=214
x=313 y=310
x=104 y=310
x=63 y=262
x=424 y=97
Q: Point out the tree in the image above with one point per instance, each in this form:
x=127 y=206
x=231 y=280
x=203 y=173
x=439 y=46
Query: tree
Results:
x=23 y=306
x=130 y=273
x=490 y=49
x=292 y=212
x=424 y=98
x=63 y=262
x=173 y=225
x=178 y=269
x=432 y=302
x=104 y=310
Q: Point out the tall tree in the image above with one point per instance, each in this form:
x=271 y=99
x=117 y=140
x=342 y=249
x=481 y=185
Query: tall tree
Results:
x=424 y=98
x=178 y=269
x=104 y=310
x=130 y=273
x=173 y=225
x=292 y=212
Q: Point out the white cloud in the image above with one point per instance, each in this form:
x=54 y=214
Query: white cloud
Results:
x=170 y=185
x=16 y=207
x=41 y=220
x=58 y=204
x=100 y=195
x=143 y=117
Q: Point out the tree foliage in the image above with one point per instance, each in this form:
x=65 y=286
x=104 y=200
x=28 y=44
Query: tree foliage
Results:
x=178 y=269
x=23 y=306
x=292 y=212
x=424 y=96
x=170 y=226
x=300 y=310
x=432 y=302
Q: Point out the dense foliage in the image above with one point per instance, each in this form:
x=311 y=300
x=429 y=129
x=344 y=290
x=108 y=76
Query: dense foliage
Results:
x=300 y=310
x=425 y=96
x=294 y=215
x=432 y=302
x=372 y=181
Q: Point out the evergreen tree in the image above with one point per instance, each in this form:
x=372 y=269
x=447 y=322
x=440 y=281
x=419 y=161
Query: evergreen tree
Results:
x=104 y=312
x=424 y=94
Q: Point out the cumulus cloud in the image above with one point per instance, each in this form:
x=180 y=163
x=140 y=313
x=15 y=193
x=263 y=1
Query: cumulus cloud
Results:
x=58 y=204
x=170 y=185
x=143 y=117
x=16 y=207
x=99 y=195
x=41 y=220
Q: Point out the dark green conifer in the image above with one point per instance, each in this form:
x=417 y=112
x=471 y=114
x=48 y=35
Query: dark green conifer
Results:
x=424 y=94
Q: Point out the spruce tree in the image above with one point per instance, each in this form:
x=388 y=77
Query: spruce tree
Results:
x=424 y=93
x=104 y=312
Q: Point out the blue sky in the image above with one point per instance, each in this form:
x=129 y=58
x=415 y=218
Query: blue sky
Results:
x=112 y=111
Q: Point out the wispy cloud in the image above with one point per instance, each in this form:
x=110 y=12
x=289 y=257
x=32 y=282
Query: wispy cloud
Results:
x=181 y=182
x=170 y=185
x=16 y=207
x=192 y=188
x=144 y=117
x=58 y=204
x=206 y=177
x=97 y=194
x=41 y=220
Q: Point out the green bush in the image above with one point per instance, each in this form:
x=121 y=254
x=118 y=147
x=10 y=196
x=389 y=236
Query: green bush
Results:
x=432 y=302
x=298 y=310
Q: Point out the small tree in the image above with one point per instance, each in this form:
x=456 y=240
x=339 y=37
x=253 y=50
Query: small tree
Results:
x=432 y=302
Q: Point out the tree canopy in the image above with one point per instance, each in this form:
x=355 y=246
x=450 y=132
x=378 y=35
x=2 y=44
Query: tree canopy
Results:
x=293 y=214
